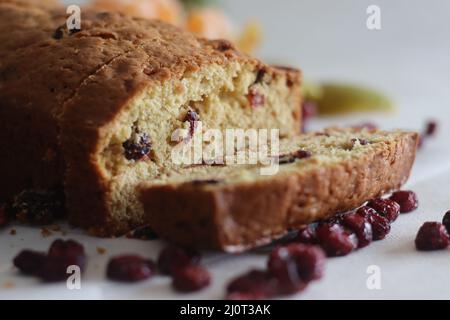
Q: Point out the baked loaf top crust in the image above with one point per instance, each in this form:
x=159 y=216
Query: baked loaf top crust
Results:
x=236 y=208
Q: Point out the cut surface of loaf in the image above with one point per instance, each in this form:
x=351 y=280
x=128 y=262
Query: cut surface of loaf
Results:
x=93 y=110
x=234 y=208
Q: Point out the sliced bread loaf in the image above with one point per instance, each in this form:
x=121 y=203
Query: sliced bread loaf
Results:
x=92 y=110
x=234 y=208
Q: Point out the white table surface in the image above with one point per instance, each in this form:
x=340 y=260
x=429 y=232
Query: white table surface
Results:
x=409 y=59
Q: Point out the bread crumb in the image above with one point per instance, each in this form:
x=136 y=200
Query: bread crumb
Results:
x=45 y=232
x=8 y=285
x=101 y=250
x=13 y=232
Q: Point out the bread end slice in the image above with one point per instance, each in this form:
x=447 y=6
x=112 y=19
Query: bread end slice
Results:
x=240 y=215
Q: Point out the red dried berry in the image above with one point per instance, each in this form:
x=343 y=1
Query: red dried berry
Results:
x=431 y=128
x=130 y=268
x=192 y=117
x=307 y=235
x=60 y=248
x=138 y=146
x=256 y=283
x=56 y=268
x=385 y=207
x=360 y=227
x=446 y=221
x=380 y=225
x=29 y=262
x=283 y=267
x=190 y=278
x=406 y=199
x=172 y=258
x=309 y=260
x=432 y=236
x=255 y=98
x=335 y=240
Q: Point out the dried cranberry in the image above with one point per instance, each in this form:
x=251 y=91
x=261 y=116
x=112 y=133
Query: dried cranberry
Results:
x=431 y=128
x=406 y=199
x=172 y=258
x=255 y=98
x=309 y=109
x=143 y=233
x=283 y=268
x=380 y=225
x=307 y=235
x=362 y=142
x=55 y=268
x=190 y=278
x=360 y=227
x=65 y=248
x=192 y=117
x=432 y=236
x=138 y=146
x=39 y=207
x=292 y=157
x=256 y=283
x=29 y=262
x=130 y=268
x=335 y=240
x=446 y=221
x=385 y=207
x=308 y=260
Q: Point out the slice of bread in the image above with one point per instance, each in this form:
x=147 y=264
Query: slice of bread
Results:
x=234 y=208
x=93 y=110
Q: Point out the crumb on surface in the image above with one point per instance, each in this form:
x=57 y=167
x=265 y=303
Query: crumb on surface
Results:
x=13 y=232
x=8 y=285
x=45 y=233
x=101 y=250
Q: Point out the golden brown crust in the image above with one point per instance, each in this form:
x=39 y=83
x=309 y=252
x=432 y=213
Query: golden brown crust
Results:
x=240 y=216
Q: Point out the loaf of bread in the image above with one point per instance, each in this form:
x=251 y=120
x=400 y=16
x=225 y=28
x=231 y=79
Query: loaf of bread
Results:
x=234 y=208
x=92 y=110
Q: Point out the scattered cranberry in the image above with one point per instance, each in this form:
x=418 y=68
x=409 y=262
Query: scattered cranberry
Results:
x=130 y=268
x=432 y=236
x=307 y=235
x=29 y=262
x=257 y=284
x=385 y=207
x=255 y=98
x=61 y=255
x=138 y=146
x=431 y=128
x=360 y=226
x=380 y=225
x=335 y=240
x=309 y=260
x=406 y=199
x=362 y=142
x=65 y=248
x=292 y=157
x=55 y=267
x=284 y=269
x=191 y=278
x=39 y=207
x=446 y=221
x=172 y=258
